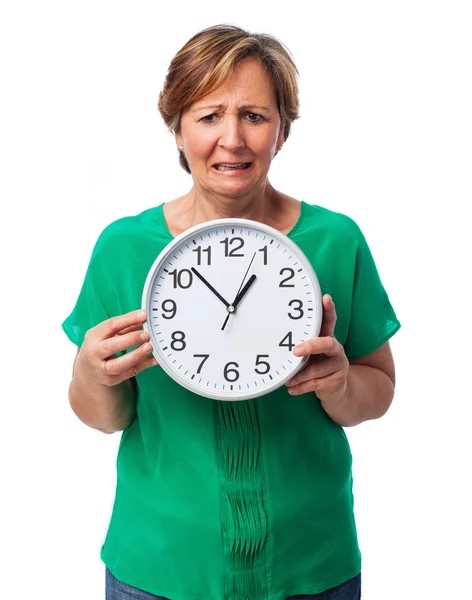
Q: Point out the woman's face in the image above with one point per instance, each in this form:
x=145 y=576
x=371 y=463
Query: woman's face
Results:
x=237 y=124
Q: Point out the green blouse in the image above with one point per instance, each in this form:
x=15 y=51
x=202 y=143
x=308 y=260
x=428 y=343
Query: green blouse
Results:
x=234 y=500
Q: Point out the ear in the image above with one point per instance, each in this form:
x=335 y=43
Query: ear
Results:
x=178 y=139
x=281 y=136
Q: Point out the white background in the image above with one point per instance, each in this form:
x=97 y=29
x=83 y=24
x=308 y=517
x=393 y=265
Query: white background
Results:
x=384 y=136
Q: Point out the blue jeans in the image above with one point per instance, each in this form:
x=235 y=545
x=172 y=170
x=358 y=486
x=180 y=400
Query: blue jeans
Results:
x=116 y=590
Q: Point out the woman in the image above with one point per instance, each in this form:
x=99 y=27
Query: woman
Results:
x=183 y=526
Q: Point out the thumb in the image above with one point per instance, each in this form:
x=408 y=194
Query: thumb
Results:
x=329 y=317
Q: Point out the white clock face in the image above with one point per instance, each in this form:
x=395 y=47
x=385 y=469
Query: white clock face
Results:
x=227 y=302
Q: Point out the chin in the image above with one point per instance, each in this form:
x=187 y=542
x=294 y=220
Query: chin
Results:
x=236 y=189
x=233 y=193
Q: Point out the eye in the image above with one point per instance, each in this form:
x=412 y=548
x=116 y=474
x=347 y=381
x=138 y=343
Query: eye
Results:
x=254 y=117
x=209 y=118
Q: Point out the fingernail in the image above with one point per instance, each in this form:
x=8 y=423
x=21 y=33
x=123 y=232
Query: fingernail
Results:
x=147 y=348
x=300 y=349
x=141 y=314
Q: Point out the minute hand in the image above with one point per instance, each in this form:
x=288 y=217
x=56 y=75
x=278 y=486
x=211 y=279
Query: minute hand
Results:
x=243 y=292
x=210 y=286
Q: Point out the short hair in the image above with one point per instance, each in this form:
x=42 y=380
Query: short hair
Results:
x=208 y=59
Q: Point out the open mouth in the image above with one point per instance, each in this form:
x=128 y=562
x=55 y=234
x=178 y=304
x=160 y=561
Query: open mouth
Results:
x=231 y=166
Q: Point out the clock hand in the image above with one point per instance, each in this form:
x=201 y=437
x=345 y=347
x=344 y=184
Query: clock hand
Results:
x=232 y=309
x=243 y=292
x=245 y=275
x=226 y=320
x=210 y=286
x=233 y=306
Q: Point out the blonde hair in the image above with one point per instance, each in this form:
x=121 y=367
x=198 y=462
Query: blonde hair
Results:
x=208 y=59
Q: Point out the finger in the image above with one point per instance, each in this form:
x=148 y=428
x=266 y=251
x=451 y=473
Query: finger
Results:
x=320 y=345
x=329 y=316
x=146 y=363
x=314 y=370
x=119 y=343
x=120 y=365
x=116 y=325
x=332 y=385
x=312 y=385
x=137 y=327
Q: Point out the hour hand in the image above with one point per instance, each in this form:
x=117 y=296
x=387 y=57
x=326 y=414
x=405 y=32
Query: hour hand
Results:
x=239 y=297
x=219 y=296
x=243 y=292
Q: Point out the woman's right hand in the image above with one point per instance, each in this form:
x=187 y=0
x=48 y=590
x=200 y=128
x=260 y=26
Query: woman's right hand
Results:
x=95 y=361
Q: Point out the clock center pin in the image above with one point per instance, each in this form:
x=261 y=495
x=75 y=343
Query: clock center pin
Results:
x=231 y=309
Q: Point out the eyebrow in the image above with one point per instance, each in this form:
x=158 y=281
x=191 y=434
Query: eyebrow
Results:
x=219 y=106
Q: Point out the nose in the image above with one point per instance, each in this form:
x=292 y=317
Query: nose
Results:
x=232 y=136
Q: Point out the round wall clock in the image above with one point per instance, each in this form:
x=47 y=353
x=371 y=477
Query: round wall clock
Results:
x=227 y=302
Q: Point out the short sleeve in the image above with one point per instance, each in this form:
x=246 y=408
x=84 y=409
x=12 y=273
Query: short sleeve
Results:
x=91 y=307
x=373 y=320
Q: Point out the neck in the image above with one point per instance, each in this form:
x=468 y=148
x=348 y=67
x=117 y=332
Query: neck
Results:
x=202 y=206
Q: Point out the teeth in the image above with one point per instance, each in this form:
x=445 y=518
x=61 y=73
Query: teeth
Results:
x=226 y=166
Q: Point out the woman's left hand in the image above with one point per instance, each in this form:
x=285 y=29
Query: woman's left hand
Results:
x=325 y=373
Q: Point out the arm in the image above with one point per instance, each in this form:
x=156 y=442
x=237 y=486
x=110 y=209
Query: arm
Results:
x=369 y=392
x=102 y=407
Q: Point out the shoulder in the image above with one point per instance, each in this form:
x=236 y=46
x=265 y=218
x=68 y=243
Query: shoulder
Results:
x=126 y=230
x=127 y=226
x=319 y=220
x=331 y=217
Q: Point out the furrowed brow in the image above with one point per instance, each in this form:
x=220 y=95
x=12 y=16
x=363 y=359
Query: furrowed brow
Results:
x=220 y=106
x=206 y=107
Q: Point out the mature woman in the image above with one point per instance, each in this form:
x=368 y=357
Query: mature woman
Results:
x=186 y=526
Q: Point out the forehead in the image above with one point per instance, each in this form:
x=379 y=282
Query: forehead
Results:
x=249 y=84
